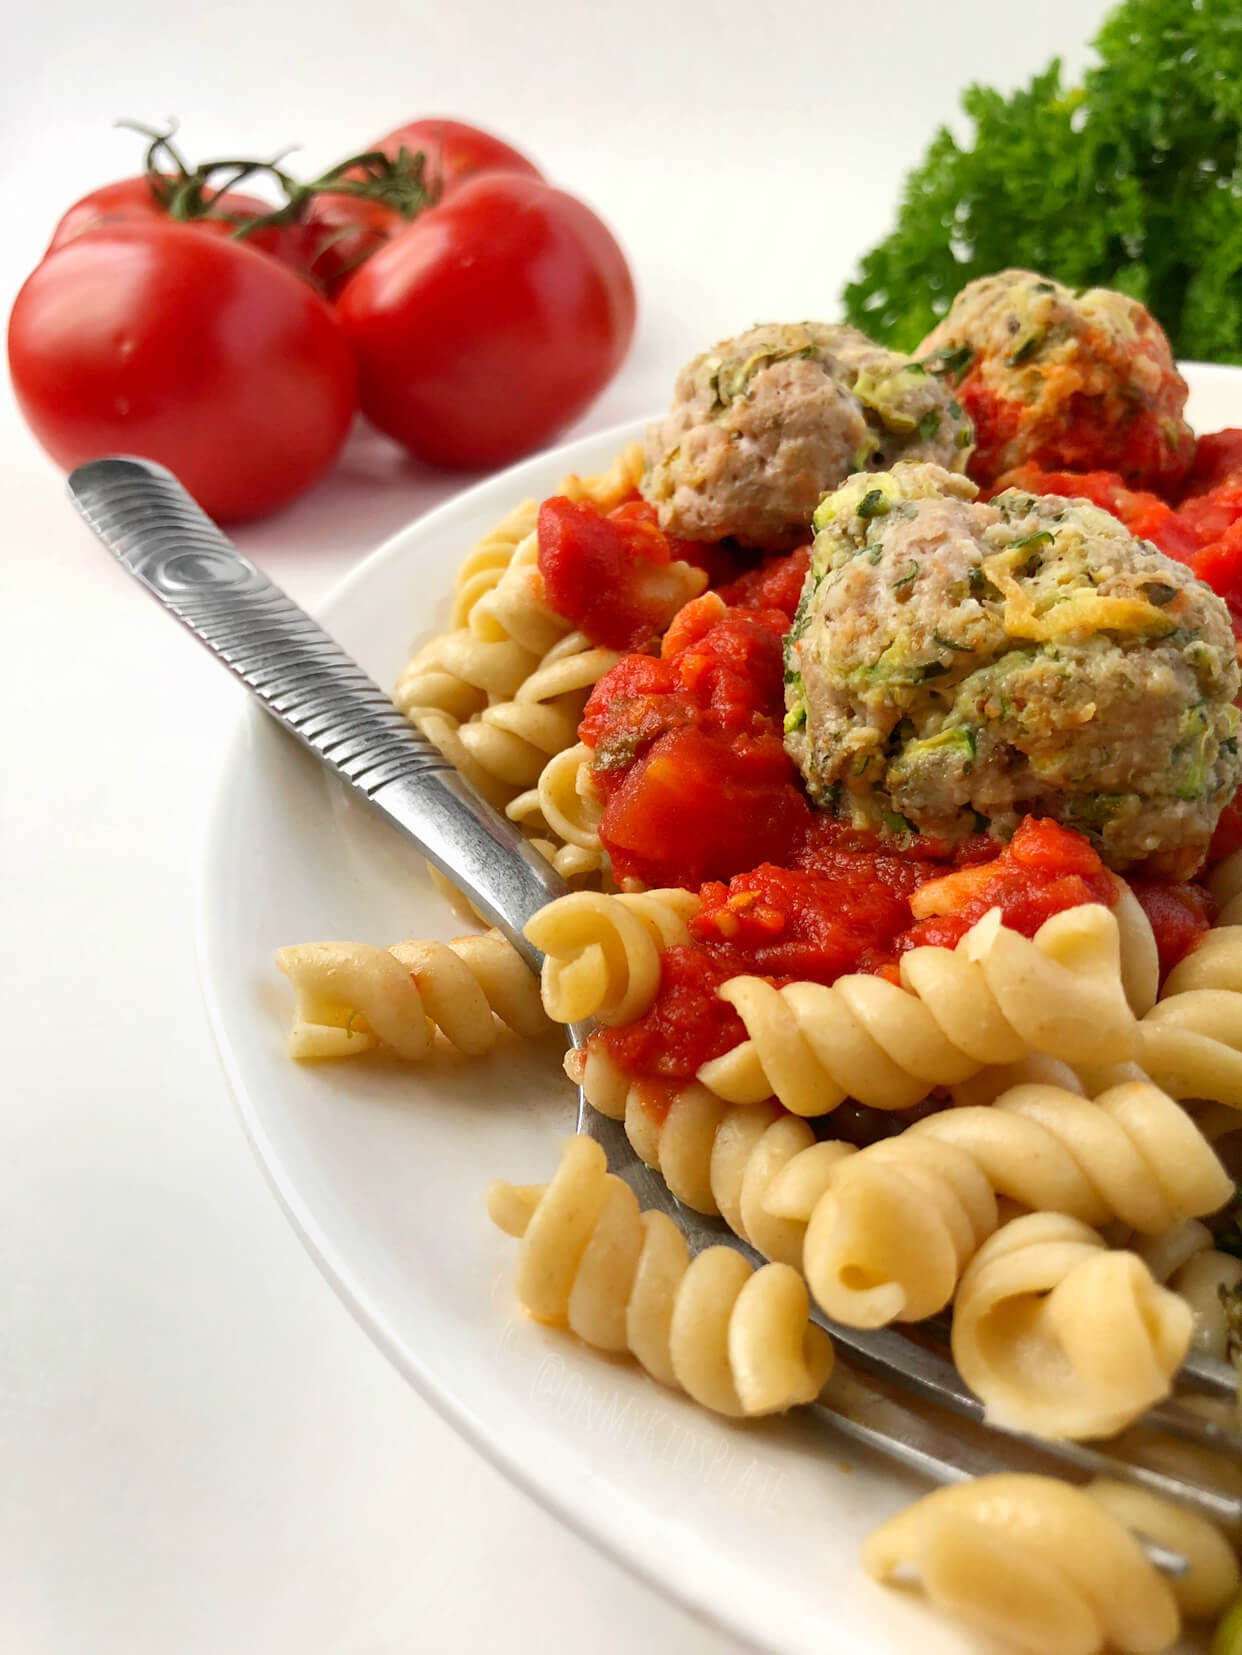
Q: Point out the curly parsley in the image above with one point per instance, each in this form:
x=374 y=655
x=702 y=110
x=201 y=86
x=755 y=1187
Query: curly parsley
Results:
x=1132 y=180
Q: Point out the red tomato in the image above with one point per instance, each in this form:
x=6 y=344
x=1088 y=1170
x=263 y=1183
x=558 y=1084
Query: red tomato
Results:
x=348 y=229
x=490 y=323
x=132 y=201
x=191 y=350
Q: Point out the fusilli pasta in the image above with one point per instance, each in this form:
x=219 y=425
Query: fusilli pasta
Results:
x=720 y=1158
x=489 y=559
x=1060 y=1336
x=602 y=953
x=510 y=628
x=1056 y=1570
x=900 y=1220
x=736 y=1340
x=563 y=804
x=1190 y=1042
x=513 y=740
x=352 y=998
x=994 y=999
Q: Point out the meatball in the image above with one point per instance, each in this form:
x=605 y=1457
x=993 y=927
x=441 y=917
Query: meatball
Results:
x=1070 y=381
x=955 y=666
x=762 y=424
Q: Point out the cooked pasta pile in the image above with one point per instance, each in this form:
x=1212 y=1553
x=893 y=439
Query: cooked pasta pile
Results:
x=919 y=1059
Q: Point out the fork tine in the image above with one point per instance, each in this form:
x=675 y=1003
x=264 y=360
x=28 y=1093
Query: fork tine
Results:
x=915 y=1367
x=1174 y=1417
x=882 y=1422
x=1211 y=1374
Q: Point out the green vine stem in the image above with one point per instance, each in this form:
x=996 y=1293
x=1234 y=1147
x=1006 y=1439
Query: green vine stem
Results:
x=187 y=193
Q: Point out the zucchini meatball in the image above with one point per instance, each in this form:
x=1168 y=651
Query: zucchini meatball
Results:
x=955 y=666
x=762 y=424
x=1070 y=381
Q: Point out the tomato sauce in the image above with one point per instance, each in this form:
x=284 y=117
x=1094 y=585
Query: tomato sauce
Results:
x=689 y=750
x=855 y=906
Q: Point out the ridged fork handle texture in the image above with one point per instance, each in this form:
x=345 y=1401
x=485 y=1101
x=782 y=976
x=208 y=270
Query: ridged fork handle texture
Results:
x=314 y=688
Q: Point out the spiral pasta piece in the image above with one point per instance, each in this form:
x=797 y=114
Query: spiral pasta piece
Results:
x=1190 y=1042
x=889 y=1238
x=1060 y=1336
x=489 y=558
x=718 y=1158
x=602 y=953
x=352 y=998
x=1140 y=957
x=565 y=801
x=510 y=627
x=561 y=816
x=1057 y=1570
x=737 y=1340
x=513 y=740
x=994 y=999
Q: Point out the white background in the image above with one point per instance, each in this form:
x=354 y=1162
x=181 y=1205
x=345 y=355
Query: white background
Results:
x=199 y=1450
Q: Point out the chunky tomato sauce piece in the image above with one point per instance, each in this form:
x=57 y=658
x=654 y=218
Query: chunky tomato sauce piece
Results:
x=1218 y=459
x=1220 y=565
x=775 y=584
x=1228 y=835
x=1044 y=868
x=686 y=1025
x=997 y=421
x=1178 y=914
x=603 y=572
x=689 y=752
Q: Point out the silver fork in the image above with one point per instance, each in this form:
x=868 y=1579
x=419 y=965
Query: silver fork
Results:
x=304 y=679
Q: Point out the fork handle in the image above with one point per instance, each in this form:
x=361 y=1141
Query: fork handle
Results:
x=313 y=687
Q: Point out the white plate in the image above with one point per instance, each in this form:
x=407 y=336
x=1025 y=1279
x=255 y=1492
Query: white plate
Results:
x=383 y=1169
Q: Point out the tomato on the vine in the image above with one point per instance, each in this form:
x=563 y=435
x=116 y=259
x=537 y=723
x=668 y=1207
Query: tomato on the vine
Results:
x=489 y=323
x=346 y=229
x=134 y=201
x=192 y=350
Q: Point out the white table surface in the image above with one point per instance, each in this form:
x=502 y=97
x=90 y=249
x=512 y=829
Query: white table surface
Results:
x=199 y=1450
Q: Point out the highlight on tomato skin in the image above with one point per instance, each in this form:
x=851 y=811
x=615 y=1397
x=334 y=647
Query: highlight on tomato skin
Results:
x=188 y=349
x=490 y=323
x=133 y=201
